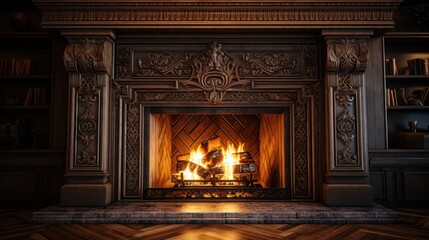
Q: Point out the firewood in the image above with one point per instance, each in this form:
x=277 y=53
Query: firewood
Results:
x=201 y=171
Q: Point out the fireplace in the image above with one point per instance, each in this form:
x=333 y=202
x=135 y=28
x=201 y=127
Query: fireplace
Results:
x=299 y=64
x=217 y=153
x=215 y=97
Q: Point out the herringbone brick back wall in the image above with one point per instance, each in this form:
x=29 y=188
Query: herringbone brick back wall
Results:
x=190 y=130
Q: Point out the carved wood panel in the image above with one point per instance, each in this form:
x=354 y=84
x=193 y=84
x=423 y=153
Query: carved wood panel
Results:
x=234 y=75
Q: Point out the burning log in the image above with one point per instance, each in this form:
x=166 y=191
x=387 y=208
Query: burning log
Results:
x=201 y=171
x=212 y=144
x=237 y=168
x=213 y=158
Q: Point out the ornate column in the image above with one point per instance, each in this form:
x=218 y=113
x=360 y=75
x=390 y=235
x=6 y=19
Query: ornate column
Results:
x=88 y=59
x=346 y=178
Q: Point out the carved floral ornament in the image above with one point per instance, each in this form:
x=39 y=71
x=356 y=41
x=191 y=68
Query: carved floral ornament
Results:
x=214 y=72
x=217 y=72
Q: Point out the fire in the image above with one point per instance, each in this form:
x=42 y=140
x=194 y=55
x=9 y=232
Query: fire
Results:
x=230 y=158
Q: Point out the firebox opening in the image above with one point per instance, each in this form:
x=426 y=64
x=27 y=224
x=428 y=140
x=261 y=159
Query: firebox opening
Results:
x=215 y=148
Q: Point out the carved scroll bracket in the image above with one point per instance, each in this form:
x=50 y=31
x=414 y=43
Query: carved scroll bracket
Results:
x=89 y=56
x=346 y=55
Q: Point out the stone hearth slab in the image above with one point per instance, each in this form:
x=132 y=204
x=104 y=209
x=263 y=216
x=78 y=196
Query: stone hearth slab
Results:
x=215 y=212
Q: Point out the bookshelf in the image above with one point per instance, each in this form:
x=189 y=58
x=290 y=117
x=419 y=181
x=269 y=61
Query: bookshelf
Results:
x=33 y=103
x=406 y=77
x=26 y=85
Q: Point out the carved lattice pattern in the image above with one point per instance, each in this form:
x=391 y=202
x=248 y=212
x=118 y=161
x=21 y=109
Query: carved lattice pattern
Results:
x=188 y=131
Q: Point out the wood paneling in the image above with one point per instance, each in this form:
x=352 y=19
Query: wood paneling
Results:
x=415 y=186
x=159 y=165
x=378 y=183
x=271 y=167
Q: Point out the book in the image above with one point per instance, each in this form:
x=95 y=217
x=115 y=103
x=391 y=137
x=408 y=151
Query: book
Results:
x=425 y=67
x=29 y=97
x=394 y=67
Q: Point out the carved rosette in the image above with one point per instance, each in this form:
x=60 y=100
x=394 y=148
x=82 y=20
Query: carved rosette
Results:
x=87 y=123
x=214 y=72
x=88 y=56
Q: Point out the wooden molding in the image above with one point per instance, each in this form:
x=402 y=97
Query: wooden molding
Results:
x=236 y=14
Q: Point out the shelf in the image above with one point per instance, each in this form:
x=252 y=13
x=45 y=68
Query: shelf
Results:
x=408 y=108
x=407 y=77
x=24 y=108
x=24 y=77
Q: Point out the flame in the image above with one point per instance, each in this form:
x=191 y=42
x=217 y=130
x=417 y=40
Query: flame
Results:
x=230 y=158
x=196 y=156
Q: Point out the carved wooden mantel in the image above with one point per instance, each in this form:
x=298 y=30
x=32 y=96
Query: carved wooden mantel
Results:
x=91 y=26
x=223 y=14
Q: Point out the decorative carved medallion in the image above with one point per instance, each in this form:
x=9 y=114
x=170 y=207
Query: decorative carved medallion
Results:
x=346 y=55
x=214 y=72
x=87 y=123
x=88 y=56
x=346 y=122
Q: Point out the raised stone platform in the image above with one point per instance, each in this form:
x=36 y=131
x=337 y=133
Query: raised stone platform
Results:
x=215 y=212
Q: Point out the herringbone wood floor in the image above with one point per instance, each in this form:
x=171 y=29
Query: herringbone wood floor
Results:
x=13 y=226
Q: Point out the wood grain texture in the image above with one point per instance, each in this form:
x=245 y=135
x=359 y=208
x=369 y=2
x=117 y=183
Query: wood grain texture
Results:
x=272 y=151
x=13 y=226
x=161 y=149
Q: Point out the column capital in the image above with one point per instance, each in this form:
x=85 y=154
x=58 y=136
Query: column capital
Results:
x=89 y=52
x=346 y=54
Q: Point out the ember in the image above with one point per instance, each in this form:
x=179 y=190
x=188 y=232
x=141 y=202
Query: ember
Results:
x=213 y=165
